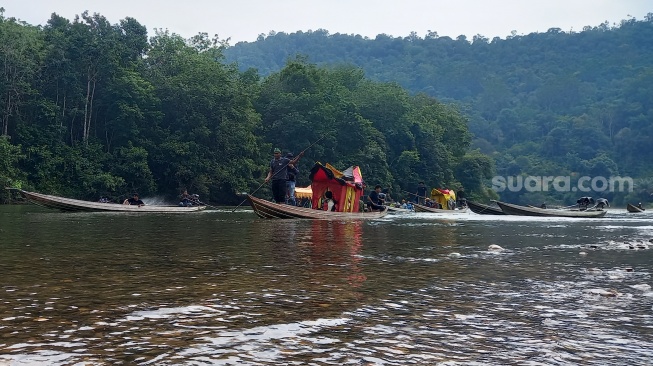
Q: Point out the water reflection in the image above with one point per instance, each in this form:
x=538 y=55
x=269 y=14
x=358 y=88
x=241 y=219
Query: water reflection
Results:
x=229 y=288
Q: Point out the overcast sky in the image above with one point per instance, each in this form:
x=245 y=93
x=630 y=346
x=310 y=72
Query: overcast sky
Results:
x=244 y=20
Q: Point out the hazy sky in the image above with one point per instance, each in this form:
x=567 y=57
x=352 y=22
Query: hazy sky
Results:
x=244 y=20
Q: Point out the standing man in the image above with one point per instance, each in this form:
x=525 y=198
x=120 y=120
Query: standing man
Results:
x=290 y=184
x=461 y=198
x=420 y=196
x=279 y=174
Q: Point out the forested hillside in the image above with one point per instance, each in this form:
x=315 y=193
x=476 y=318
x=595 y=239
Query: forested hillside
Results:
x=543 y=104
x=92 y=108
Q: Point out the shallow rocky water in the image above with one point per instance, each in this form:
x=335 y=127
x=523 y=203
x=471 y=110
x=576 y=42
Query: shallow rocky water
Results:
x=227 y=288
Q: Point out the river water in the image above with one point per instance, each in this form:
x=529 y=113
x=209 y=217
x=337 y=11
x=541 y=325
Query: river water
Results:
x=227 y=288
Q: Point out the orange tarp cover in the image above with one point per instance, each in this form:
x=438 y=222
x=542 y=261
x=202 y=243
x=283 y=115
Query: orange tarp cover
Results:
x=303 y=192
x=442 y=196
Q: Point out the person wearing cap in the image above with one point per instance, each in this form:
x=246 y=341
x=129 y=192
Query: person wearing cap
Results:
x=278 y=174
x=134 y=201
x=290 y=183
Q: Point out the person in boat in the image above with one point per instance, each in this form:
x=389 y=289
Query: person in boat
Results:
x=543 y=205
x=602 y=203
x=429 y=203
x=585 y=202
x=188 y=200
x=290 y=183
x=420 y=195
x=185 y=199
x=461 y=199
x=374 y=201
x=104 y=200
x=639 y=205
x=134 y=200
x=451 y=204
x=278 y=174
x=386 y=195
x=330 y=204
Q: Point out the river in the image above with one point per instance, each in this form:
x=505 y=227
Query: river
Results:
x=227 y=288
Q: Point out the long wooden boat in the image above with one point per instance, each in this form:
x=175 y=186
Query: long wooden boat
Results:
x=422 y=208
x=510 y=209
x=633 y=208
x=482 y=209
x=271 y=210
x=69 y=204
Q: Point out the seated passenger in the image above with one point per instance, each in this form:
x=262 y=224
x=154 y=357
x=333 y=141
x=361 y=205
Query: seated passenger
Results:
x=330 y=203
x=134 y=201
x=374 y=201
x=601 y=203
x=185 y=199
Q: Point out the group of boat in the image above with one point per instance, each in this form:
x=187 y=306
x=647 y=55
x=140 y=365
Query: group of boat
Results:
x=503 y=208
x=346 y=187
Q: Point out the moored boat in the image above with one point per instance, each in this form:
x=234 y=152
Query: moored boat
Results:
x=272 y=210
x=510 y=209
x=632 y=208
x=482 y=209
x=73 y=205
x=422 y=208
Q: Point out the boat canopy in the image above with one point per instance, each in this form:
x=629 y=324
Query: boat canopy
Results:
x=445 y=197
x=346 y=186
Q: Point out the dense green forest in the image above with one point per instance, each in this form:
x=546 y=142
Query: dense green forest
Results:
x=544 y=104
x=90 y=109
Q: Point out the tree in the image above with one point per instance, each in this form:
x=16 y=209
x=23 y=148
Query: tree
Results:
x=21 y=50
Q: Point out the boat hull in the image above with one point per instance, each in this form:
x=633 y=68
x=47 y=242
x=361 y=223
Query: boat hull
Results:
x=517 y=210
x=398 y=210
x=270 y=210
x=422 y=208
x=633 y=208
x=482 y=209
x=73 y=205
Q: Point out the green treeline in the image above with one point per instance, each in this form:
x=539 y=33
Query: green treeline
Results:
x=543 y=104
x=92 y=109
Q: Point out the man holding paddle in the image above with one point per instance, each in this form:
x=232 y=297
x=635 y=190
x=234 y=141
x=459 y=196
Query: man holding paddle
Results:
x=279 y=174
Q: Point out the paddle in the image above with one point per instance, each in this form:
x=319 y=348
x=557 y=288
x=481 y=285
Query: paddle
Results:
x=416 y=195
x=291 y=162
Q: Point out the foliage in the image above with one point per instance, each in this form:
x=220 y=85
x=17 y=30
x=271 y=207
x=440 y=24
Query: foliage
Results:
x=543 y=103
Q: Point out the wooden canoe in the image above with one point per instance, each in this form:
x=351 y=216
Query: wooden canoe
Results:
x=422 y=208
x=510 y=209
x=482 y=209
x=633 y=208
x=271 y=210
x=73 y=205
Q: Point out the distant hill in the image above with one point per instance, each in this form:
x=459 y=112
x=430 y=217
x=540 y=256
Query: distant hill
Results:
x=553 y=103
